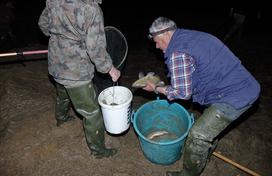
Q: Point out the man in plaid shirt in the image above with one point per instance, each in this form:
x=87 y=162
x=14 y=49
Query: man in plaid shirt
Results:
x=201 y=67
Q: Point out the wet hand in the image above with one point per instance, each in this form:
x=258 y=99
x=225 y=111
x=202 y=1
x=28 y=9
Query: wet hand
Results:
x=114 y=73
x=150 y=86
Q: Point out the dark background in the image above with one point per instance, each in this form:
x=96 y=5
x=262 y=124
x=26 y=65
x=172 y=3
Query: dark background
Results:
x=133 y=18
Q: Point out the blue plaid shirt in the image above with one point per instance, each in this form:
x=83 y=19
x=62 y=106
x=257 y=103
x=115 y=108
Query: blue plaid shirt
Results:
x=181 y=67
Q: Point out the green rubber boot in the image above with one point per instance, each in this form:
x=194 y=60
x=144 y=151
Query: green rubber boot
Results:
x=201 y=142
x=63 y=104
x=84 y=101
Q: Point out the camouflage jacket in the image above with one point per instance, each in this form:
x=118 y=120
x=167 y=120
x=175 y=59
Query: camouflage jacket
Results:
x=77 y=39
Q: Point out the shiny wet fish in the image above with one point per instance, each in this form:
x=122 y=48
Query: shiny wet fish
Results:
x=141 y=82
x=161 y=135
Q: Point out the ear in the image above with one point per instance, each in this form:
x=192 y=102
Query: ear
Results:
x=169 y=35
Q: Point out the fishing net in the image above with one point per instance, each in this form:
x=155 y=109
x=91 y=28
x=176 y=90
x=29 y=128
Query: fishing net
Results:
x=117 y=48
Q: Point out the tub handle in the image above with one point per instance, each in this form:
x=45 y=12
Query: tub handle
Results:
x=192 y=119
x=132 y=116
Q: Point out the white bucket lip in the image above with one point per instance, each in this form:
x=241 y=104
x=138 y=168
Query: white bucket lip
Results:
x=115 y=106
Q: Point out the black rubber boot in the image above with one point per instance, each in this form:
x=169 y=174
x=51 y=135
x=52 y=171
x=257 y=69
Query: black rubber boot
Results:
x=84 y=101
x=63 y=105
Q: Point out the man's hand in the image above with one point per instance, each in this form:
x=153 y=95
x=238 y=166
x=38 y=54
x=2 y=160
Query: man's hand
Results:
x=159 y=88
x=114 y=73
x=150 y=86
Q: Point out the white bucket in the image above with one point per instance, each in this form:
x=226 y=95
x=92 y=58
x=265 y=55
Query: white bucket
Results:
x=116 y=117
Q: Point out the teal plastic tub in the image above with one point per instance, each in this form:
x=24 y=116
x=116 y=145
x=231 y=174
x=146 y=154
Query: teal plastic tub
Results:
x=154 y=119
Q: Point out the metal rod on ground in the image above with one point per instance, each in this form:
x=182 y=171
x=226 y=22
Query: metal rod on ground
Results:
x=24 y=53
x=235 y=164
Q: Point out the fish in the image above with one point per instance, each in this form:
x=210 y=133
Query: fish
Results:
x=161 y=136
x=155 y=134
x=150 y=76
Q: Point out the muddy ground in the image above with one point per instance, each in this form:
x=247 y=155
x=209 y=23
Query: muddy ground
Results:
x=32 y=145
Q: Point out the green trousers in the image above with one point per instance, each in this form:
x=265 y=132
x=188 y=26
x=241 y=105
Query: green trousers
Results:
x=84 y=100
x=63 y=103
x=201 y=140
x=203 y=137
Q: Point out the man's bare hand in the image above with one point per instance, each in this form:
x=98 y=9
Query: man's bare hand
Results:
x=114 y=73
x=150 y=86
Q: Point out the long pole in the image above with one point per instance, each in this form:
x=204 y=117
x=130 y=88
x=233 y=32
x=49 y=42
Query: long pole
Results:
x=24 y=53
x=235 y=164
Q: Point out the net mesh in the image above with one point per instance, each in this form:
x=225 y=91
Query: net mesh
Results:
x=117 y=48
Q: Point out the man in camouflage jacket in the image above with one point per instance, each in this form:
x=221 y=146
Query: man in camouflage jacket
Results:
x=77 y=45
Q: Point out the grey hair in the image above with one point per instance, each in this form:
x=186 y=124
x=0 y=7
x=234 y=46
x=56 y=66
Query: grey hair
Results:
x=161 y=25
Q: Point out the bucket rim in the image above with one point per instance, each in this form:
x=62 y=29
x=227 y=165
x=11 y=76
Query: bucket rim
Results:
x=114 y=106
x=156 y=142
